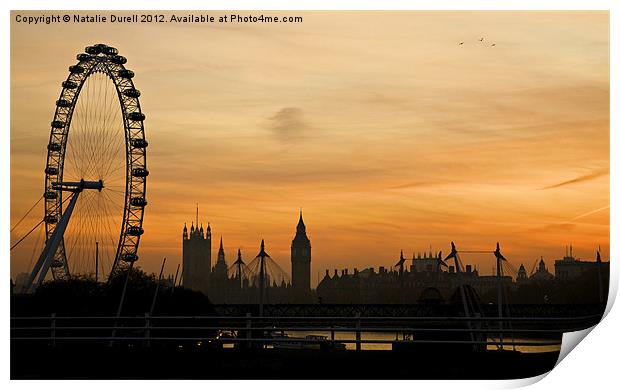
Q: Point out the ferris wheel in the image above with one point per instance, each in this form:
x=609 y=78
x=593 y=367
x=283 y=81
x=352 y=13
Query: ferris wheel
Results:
x=95 y=173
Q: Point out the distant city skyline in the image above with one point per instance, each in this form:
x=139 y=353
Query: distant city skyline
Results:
x=389 y=138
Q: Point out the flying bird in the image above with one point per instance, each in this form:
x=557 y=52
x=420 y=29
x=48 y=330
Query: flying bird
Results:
x=493 y=45
x=461 y=43
x=481 y=39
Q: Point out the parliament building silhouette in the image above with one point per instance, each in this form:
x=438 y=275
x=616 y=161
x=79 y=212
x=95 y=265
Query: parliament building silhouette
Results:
x=238 y=283
x=424 y=281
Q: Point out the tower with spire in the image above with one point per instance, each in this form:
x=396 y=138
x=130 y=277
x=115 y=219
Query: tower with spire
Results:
x=300 y=260
x=220 y=271
x=522 y=274
x=196 y=256
x=218 y=285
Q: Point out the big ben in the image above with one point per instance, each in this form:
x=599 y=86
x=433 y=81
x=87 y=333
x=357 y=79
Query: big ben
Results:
x=300 y=260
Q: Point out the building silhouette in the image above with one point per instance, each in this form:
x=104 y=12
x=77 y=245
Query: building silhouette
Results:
x=239 y=283
x=424 y=262
x=220 y=270
x=405 y=285
x=570 y=268
x=196 y=257
x=542 y=273
x=219 y=276
x=301 y=255
x=427 y=278
x=522 y=274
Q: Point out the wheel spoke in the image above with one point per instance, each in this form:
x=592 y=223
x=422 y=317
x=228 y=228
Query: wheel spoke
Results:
x=96 y=147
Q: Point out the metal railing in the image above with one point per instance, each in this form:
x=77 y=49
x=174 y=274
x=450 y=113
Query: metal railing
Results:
x=259 y=332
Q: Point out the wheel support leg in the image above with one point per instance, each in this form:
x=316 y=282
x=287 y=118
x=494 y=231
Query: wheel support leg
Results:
x=45 y=260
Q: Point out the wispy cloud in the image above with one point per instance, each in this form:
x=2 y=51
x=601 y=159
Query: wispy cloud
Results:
x=416 y=184
x=579 y=179
x=561 y=227
x=367 y=130
x=590 y=213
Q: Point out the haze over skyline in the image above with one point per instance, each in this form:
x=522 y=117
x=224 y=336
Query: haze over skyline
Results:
x=381 y=126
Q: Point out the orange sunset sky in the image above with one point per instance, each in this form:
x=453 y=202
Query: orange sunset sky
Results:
x=388 y=133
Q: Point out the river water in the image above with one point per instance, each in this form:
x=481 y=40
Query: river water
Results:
x=389 y=337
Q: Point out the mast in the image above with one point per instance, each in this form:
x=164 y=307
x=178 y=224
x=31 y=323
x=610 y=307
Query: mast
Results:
x=238 y=263
x=175 y=278
x=499 y=259
x=122 y=301
x=600 y=278
x=161 y=272
x=454 y=254
x=96 y=261
x=499 y=301
x=261 y=279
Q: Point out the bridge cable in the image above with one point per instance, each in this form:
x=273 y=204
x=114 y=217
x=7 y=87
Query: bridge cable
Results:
x=25 y=215
x=36 y=249
x=36 y=226
x=27 y=234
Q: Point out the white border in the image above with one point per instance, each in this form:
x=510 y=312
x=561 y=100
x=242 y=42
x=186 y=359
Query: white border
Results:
x=591 y=365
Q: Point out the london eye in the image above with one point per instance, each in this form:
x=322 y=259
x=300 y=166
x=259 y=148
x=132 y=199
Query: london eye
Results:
x=96 y=172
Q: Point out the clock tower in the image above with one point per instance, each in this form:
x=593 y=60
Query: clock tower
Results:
x=300 y=261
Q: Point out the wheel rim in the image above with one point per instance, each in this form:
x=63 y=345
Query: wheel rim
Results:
x=97 y=134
